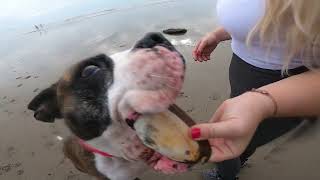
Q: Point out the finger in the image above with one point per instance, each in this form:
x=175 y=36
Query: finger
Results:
x=208 y=57
x=221 y=154
x=200 y=58
x=219 y=112
x=196 y=50
x=223 y=129
x=204 y=57
x=221 y=150
x=202 y=46
x=194 y=55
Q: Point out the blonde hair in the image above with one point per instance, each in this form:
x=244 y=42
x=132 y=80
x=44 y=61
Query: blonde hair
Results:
x=296 y=25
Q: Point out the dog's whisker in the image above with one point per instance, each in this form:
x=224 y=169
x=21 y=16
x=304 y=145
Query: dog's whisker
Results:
x=171 y=79
x=162 y=77
x=171 y=87
x=165 y=94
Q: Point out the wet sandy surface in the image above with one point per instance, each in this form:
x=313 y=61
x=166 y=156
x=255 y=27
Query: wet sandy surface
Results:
x=32 y=60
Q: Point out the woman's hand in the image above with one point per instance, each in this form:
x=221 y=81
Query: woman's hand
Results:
x=208 y=44
x=233 y=125
x=205 y=47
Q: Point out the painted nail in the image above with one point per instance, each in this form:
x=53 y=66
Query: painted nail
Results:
x=195 y=133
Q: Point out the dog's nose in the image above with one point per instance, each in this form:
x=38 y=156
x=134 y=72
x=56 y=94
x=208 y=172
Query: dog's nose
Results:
x=153 y=39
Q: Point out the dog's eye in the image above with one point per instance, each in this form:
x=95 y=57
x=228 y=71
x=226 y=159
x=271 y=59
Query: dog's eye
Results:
x=89 y=71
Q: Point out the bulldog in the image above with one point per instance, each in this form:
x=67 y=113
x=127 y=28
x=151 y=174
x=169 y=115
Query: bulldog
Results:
x=99 y=99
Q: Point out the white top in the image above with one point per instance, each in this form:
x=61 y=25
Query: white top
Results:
x=238 y=17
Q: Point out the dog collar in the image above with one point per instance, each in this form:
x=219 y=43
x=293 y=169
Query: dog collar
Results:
x=92 y=149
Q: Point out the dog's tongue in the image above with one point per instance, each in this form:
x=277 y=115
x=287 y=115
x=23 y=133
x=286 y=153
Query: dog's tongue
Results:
x=168 y=166
x=165 y=165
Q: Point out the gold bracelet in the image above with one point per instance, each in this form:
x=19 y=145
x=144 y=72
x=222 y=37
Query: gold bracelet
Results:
x=266 y=93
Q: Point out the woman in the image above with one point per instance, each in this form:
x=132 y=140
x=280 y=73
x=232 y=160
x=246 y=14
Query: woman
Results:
x=271 y=39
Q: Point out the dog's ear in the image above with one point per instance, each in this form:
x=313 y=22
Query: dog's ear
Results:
x=45 y=105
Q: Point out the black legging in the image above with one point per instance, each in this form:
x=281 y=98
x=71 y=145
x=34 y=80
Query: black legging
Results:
x=243 y=77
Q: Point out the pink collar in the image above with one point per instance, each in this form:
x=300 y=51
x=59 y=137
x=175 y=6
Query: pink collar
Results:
x=93 y=149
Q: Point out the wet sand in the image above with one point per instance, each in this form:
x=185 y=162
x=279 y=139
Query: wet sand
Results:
x=32 y=61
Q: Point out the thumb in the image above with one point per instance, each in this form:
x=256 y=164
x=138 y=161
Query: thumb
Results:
x=202 y=45
x=203 y=131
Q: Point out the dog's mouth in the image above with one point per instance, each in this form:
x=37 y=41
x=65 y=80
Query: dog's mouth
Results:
x=163 y=164
x=153 y=158
x=132 y=118
x=168 y=147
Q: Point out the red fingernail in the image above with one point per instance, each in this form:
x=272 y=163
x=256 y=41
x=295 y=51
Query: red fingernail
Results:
x=195 y=133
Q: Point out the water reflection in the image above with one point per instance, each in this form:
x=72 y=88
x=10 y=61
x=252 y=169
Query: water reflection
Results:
x=40 y=38
x=108 y=27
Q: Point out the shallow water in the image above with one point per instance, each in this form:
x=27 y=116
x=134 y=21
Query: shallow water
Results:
x=35 y=50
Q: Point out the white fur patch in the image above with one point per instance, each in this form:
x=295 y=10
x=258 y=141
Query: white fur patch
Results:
x=119 y=169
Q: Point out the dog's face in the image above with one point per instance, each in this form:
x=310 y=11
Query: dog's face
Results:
x=80 y=97
x=99 y=97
